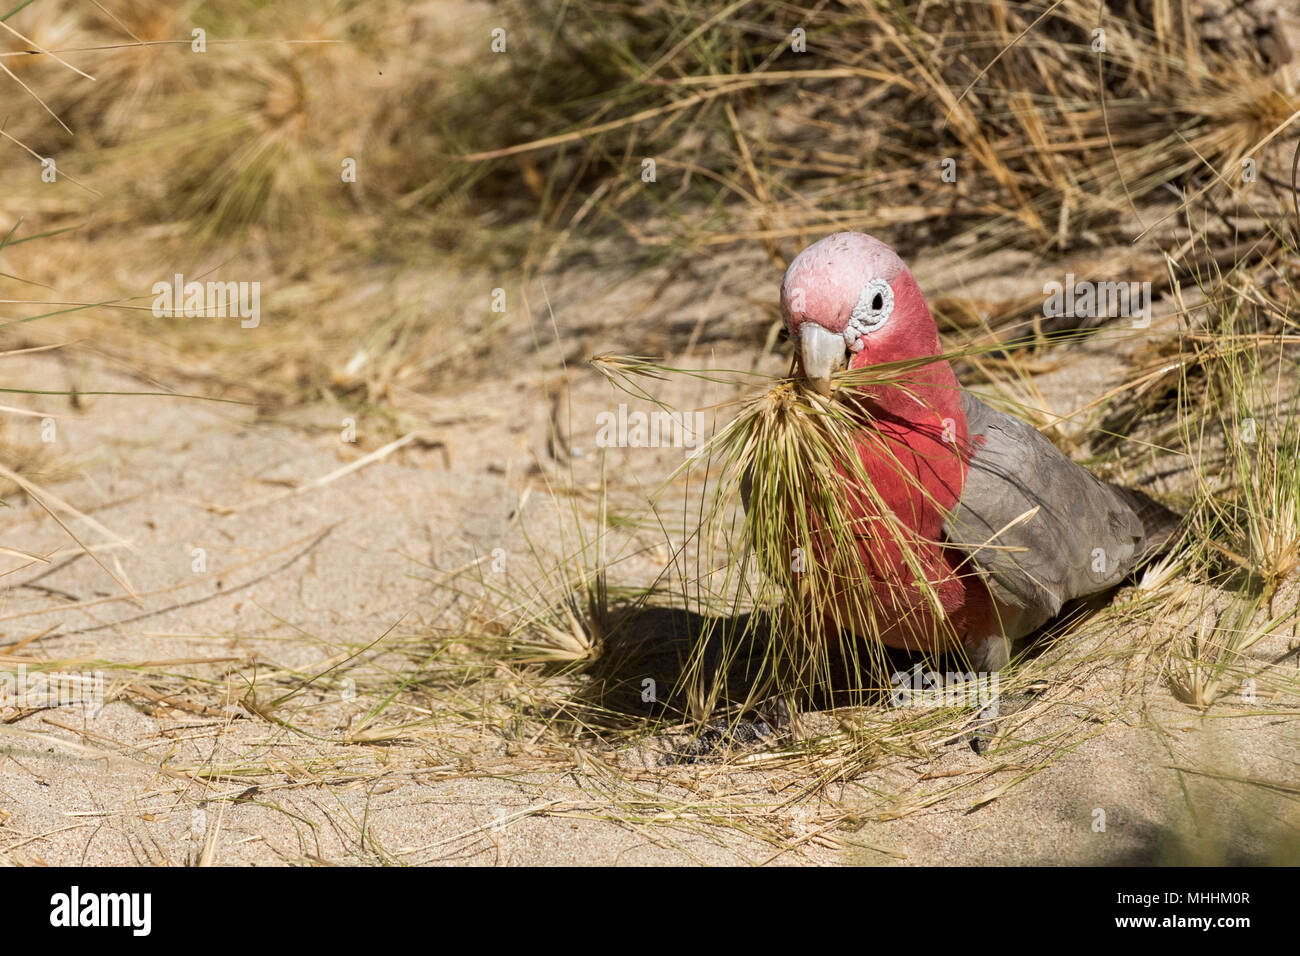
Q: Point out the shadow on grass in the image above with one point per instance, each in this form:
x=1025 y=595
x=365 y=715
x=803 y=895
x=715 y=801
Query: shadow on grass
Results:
x=664 y=664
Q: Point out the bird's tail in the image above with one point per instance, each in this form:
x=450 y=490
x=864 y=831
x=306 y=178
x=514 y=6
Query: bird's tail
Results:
x=1158 y=522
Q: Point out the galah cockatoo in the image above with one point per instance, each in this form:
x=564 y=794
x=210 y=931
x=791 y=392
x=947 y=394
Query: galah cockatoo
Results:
x=1005 y=527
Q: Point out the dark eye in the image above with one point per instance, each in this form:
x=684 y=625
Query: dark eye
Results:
x=784 y=334
x=877 y=302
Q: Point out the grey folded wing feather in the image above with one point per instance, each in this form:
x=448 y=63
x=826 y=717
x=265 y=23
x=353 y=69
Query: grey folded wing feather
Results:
x=1042 y=529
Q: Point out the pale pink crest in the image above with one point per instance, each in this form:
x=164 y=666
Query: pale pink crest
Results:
x=825 y=281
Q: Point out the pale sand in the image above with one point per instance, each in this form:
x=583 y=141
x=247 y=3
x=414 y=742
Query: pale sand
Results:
x=97 y=792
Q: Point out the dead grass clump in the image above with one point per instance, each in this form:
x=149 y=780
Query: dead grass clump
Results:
x=780 y=124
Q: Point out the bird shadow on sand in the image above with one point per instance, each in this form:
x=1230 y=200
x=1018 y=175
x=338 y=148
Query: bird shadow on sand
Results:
x=708 y=679
x=660 y=665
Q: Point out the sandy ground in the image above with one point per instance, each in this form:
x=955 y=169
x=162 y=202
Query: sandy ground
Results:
x=185 y=763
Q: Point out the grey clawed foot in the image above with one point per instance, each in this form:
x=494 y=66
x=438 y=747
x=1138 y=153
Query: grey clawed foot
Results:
x=983 y=729
x=990 y=656
x=720 y=737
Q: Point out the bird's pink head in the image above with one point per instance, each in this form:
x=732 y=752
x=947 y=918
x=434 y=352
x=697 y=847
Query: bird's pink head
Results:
x=849 y=300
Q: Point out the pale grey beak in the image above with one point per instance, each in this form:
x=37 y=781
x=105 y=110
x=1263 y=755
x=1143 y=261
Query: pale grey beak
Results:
x=822 y=352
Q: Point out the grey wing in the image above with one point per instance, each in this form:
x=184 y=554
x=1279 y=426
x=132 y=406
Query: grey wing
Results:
x=1042 y=529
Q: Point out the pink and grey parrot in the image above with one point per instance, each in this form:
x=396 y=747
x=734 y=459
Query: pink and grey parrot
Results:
x=1006 y=528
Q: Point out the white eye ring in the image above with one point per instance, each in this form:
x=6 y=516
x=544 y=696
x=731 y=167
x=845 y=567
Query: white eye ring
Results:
x=875 y=306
